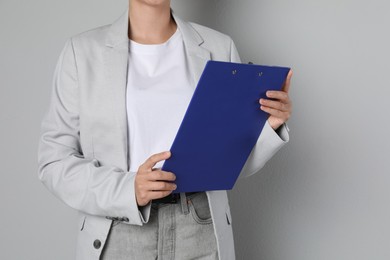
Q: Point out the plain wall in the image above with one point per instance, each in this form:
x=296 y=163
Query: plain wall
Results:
x=323 y=196
x=326 y=195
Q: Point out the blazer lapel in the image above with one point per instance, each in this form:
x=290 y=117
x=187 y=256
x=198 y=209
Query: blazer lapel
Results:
x=116 y=62
x=115 y=67
x=197 y=55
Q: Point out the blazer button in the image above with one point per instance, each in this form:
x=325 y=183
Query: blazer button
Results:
x=97 y=244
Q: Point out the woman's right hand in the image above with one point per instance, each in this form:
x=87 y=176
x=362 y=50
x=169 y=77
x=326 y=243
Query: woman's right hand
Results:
x=153 y=183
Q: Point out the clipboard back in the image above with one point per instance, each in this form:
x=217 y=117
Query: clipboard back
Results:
x=221 y=125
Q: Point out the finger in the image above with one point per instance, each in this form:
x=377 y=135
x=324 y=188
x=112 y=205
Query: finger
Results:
x=159 y=175
x=155 y=158
x=161 y=186
x=281 y=95
x=275 y=104
x=274 y=112
x=286 y=85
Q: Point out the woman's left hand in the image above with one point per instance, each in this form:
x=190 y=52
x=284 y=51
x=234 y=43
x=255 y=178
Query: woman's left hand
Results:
x=279 y=109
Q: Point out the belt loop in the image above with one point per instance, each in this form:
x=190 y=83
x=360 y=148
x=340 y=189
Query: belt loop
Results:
x=183 y=202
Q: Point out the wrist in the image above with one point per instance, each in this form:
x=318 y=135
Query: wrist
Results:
x=275 y=125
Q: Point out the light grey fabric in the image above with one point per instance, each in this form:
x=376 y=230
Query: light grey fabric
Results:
x=174 y=231
x=82 y=154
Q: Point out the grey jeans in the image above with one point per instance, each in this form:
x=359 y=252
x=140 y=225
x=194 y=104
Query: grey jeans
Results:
x=179 y=231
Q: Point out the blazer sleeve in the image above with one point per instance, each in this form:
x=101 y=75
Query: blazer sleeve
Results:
x=80 y=182
x=269 y=141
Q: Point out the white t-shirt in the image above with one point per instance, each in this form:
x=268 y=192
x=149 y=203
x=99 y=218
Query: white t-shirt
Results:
x=158 y=93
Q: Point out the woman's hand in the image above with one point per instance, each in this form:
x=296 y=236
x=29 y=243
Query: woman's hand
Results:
x=153 y=183
x=280 y=108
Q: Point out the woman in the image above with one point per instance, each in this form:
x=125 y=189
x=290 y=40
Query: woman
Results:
x=120 y=92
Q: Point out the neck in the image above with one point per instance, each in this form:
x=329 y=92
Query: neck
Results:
x=150 y=24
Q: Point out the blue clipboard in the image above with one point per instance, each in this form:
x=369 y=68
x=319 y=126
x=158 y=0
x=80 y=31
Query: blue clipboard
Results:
x=221 y=125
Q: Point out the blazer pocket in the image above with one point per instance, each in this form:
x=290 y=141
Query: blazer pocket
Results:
x=82 y=222
x=228 y=215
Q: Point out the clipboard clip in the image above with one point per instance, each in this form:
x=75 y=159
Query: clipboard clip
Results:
x=260 y=73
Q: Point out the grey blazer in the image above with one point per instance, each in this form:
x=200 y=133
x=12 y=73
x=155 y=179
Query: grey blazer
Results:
x=82 y=153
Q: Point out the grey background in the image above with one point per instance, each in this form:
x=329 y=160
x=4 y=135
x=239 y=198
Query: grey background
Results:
x=323 y=196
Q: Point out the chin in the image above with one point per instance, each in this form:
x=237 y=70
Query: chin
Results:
x=153 y=2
